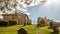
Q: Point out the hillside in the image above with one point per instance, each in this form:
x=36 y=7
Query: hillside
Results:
x=29 y=28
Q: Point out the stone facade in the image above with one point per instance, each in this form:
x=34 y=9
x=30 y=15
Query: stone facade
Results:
x=20 y=17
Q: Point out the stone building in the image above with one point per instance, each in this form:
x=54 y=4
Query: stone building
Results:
x=20 y=17
x=43 y=21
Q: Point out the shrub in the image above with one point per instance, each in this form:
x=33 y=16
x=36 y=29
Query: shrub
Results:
x=24 y=24
x=3 y=23
x=12 y=22
x=16 y=21
x=28 y=23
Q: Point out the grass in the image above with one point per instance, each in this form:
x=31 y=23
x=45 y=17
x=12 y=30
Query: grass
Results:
x=29 y=28
x=14 y=29
x=45 y=30
x=9 y=30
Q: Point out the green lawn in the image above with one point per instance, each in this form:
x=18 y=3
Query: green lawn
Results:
x=14 y=29
x=45 y=30
x=30 y=29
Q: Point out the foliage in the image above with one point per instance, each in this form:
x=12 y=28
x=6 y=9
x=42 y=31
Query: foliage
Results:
x=3 y=23
x=16 y=21
x=28 y=23
x=12 y=22
x=24 y=24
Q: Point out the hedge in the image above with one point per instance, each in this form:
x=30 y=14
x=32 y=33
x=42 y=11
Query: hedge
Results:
x=4 y=23
x=12 y=22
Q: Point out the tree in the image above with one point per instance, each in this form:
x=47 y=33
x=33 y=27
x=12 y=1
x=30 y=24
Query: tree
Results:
x=12 y=5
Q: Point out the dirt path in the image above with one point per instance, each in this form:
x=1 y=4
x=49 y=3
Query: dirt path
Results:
x=37 y=31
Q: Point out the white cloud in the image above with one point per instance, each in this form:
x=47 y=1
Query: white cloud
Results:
x=52 y=3
x=22 y=9
x=56 y=21
x=27 y=13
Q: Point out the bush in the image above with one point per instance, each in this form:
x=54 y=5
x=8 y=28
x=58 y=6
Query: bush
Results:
x=28 y=23
x=12 y=22
x=24 y=24
x=3 y=23
x=16 y=21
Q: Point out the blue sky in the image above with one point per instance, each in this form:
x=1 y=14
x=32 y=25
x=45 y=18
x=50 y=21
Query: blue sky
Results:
x=50 y=9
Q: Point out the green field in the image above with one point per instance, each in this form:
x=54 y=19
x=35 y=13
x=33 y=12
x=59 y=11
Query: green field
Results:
x=45 y=30
x=14 y=29
x=29 y=28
